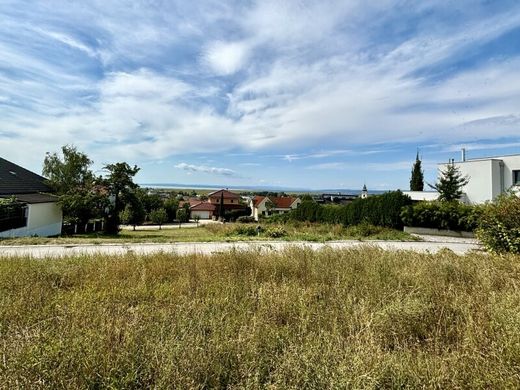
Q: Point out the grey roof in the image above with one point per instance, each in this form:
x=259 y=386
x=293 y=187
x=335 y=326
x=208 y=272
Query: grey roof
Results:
x=34 y=198
x=17 y=180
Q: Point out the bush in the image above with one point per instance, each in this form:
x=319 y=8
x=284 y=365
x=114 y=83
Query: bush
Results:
x=499 y=228
x=276 y=232
x=245 y=219
x=442 y=215
x=246 y=230
x=233 y=215
x=364 y=229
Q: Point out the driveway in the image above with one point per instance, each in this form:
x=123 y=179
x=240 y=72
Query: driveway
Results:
x=41 y=251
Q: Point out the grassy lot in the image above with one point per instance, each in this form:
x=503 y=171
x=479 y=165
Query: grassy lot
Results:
x=227 y=232
x=360 y=318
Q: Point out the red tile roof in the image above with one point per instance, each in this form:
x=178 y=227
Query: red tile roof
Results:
x=227 y=194
x=203 y=206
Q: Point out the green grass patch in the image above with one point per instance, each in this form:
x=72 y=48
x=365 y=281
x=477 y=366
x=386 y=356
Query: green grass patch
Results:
x=360 y=318
x=295 y=231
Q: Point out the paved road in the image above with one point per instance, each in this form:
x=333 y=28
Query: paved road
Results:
x=41 y=251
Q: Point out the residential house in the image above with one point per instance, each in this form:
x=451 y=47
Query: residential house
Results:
x=270 y=205
x=36 y=212
x=489 y=177
x=231 y=201
x=202 y=210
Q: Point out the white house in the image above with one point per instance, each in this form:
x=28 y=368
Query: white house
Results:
x=36 y=211
x=488 y=177
x=270 y=205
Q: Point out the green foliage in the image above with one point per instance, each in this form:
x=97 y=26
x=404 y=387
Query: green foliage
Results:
x=417 y=177
x=159 y=216
x=499 y=228
x=379 y=210
x=233 y=215
x=133 y=213
x=450 y=183
x=182 y=215
x=119 y=181
x=245 y=230
x=442 y=215
x=276 y=232
x=70 y=176
x=171 y=205
x=246 y=219
x=150 y=201
x=68 y=173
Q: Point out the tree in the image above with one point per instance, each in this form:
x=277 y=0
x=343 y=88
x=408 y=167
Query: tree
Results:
x=159 y=216
x=417 y=178
x=181 y=216
x=450 y=183
x=269 y=206
x=121 y=185
x=171 y=205
x=133 y=213
x=196 y=218
x=221 y=209
x=70 y=176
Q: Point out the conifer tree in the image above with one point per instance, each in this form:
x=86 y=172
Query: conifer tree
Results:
x=450 y=183
x=417 y=178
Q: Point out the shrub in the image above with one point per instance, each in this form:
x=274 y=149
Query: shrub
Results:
x=364 y=229
x=276 y=232
x=245 y=230
x=233 y=215
x=442 y=215
x=246 y=219
x=499 y=228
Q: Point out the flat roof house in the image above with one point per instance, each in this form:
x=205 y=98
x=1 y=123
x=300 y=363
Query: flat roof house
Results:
x=489 y=177
x=35 y=211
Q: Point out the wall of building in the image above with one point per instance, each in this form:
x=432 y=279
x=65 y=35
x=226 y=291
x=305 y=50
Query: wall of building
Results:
x=43 y=219
x=488 y=178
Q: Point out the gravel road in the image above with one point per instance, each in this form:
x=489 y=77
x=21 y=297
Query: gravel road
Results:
x=41 y=251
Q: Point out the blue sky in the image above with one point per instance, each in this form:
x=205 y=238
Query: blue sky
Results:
x=315 y=94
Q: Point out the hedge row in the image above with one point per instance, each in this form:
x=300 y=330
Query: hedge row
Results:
x=379 y=210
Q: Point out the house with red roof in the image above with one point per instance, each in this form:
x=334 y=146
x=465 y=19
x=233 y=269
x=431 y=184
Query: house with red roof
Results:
x=271 y=205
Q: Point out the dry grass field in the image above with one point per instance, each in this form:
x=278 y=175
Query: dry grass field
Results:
x=360 y=318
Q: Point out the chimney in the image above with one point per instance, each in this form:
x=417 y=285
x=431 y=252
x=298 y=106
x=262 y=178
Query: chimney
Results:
x=463 y=154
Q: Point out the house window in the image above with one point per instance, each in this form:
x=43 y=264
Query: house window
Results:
x=516 y=178
x=231 y=200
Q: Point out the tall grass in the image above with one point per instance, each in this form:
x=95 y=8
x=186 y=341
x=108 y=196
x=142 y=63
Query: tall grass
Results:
x=360 y=318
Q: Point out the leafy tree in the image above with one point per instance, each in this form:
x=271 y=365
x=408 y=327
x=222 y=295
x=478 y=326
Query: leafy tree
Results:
x=120 y=184
x=70 y=176
x=417 y=178
x=450 y=183
x=133 y=213
x=269 y=206
x=150 y=201
x=171 y=205
x=196 y=218
x=159 y=216
x=181 y=216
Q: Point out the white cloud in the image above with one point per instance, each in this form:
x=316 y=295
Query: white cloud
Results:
x=206 y=169
x=226 y=58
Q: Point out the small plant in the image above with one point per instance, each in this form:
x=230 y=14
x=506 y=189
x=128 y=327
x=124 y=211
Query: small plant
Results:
x=276 y=232
x=245 y=219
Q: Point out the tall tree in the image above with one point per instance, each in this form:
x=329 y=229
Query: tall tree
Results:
x=417 y=178
x=70 y=176
x=120 y=182
x=450 y=183
x=221 y=209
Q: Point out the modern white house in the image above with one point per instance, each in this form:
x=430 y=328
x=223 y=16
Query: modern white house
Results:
x=36 y=211
x=489 y=177
x=270 y=205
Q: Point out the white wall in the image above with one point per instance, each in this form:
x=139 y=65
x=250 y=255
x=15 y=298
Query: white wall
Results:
x=202 y=214
x=43 y=219
x=487 y=179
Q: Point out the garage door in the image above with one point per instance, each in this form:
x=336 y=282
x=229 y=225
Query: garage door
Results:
x=201 y=214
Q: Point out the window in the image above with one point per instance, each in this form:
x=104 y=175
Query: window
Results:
x=516 y=178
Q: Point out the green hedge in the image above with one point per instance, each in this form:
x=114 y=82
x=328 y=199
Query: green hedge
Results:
x=378 y=210
x=442 y=215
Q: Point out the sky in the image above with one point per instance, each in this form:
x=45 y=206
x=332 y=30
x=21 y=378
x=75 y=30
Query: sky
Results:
x=293 y=93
